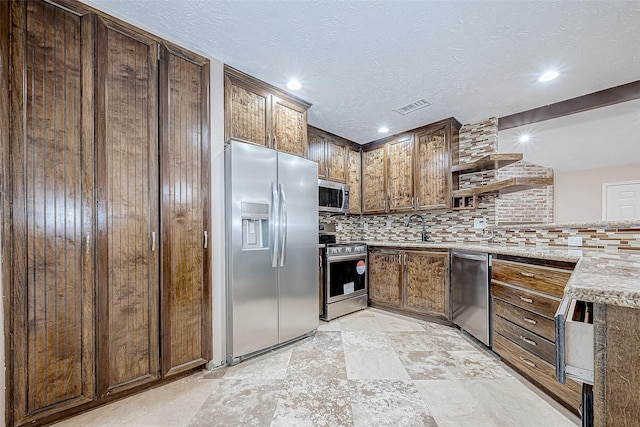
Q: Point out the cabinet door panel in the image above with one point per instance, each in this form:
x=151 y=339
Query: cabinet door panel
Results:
x=426 y=285
x=52 y=159
x=373 y=185
x=128 y=276
x=317 y=144
x=354 y=173
x=433 y=170
x=185 y=297
x=400 y=174
x=384 y=278
x=247 y=111
x=336 y=162
x=289 y=127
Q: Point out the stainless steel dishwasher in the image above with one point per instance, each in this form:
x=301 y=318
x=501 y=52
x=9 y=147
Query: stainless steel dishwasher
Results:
x=470 y=293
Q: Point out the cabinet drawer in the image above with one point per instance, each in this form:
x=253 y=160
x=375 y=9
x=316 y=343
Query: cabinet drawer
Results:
x=529 y=300
x=538 y=370
x=542 y=279
x=531 y=342
x=575 y=355
x=528 y=320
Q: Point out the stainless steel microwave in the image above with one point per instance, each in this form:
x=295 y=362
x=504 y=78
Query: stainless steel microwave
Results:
x=332 y=196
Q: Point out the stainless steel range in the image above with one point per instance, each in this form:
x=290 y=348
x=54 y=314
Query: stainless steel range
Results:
x=345 y=279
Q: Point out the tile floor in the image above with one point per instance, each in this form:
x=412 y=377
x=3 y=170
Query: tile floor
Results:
x=370 y=368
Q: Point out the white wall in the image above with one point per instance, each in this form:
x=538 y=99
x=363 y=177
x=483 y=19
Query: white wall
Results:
x=579 y=194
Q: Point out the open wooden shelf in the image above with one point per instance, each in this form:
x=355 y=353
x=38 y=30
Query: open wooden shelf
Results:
x=489 y=162
x=506 y=186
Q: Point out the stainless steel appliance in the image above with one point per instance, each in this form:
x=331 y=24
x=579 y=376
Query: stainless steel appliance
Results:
x=272 y=264
x=470 y=273
x=332 y=196
x=345 y=279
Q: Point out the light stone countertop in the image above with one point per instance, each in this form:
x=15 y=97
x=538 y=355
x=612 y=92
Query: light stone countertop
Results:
x=601 y=276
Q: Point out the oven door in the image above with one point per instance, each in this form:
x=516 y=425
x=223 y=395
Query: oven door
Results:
x=346 y=277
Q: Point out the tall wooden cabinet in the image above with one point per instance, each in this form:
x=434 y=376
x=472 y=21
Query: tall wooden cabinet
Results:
x=261 y=114
x=84 y=251
x=400 y=174
x=433 y=166
x=48 y=208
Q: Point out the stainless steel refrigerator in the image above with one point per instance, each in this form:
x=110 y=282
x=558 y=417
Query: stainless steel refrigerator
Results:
x=272 y=248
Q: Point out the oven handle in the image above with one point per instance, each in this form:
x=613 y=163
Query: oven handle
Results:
x=332 y=258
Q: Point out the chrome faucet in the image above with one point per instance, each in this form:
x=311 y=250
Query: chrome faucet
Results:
x=425 y=236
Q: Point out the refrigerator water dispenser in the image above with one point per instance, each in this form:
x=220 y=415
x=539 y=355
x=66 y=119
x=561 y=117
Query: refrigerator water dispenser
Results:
x=255 y=226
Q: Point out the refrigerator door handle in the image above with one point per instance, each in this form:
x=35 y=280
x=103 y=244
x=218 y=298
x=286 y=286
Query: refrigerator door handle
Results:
x=283 y=225
x=273 y=227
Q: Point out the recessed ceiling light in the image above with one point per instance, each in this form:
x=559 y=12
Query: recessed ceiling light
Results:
x=294 y=85
x=549 y=75
x=383 y=129
x=524 y=138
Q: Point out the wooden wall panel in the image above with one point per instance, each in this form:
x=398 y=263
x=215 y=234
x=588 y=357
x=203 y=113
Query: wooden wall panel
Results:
x=128 y=269
x=185 y=334
x=52 y=162
x=373 y=185
x=433 y=170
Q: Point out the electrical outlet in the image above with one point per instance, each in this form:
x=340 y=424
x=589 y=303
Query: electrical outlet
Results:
x=575 y=241
x=339 y=227
x=388 y=225
x=479 y=223
x=365 y=226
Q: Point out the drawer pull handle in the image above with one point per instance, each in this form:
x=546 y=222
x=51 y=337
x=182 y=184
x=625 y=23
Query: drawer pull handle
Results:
x=528 y=362
x=529 y=320
x=529 y=300
x=525 y=274
x=528 y=341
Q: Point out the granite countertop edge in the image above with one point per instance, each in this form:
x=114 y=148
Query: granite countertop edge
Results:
x=600 y=276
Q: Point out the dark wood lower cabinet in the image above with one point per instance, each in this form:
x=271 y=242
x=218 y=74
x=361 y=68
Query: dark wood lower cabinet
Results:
x=100 y=300
x=415 y=282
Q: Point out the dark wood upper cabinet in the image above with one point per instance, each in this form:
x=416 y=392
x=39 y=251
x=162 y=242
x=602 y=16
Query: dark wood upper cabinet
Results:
x=186 y=320
x=330 y=152
x=400 y=174
x=128 y=268
x=433 y=168
x=261 y=114
x=354 y=179
x=374 y=192
x=48 y=257
x=417 y=176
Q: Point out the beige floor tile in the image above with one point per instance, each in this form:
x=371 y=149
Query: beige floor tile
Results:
x=396 y=324
x=333 y=325
x=327 y=364
x=431 y=365
x=313 y=402
x=388 y=403
x=366 y=340
x=269 y=366
x=239 y=402
x=374 y=365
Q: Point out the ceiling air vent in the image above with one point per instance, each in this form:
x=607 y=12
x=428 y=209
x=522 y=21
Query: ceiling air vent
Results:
x=410 y=108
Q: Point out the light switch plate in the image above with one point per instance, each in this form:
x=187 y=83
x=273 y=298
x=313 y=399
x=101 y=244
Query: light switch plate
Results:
x=365 y=226
x=479 y=223
x=339 y=227
x=575 y=241
x=388 y=225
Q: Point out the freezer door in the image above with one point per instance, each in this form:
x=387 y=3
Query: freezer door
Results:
x=252 y=282
x=298 y=257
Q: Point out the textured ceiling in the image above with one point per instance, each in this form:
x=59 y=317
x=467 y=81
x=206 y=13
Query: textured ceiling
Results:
x=360 y=59
x=604 y=137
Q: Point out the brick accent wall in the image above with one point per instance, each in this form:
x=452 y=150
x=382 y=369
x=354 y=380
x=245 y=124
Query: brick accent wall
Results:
x=531 y=206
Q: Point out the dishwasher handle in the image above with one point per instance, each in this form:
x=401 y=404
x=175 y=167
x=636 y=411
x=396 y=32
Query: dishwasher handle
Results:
x=472 y=257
